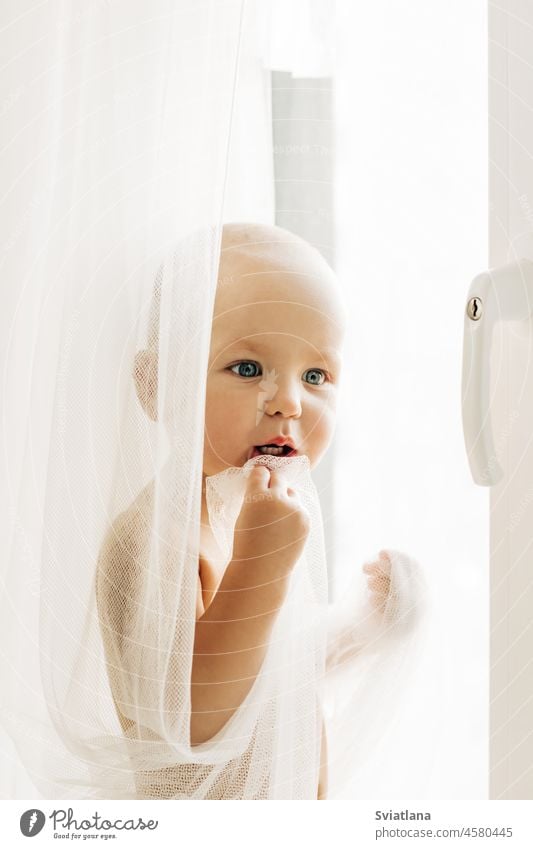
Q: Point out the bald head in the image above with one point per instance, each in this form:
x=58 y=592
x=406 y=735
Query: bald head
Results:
x=268 y=245
x=266 y=261
x=248 y=249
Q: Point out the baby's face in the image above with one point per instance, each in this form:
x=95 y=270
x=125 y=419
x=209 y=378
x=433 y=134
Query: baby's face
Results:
x=274 y=364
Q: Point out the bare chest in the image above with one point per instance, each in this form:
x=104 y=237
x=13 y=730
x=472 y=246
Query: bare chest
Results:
x=212 y=565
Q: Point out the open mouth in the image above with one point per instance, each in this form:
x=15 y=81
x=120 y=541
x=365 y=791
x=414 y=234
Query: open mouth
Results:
x=273 y=451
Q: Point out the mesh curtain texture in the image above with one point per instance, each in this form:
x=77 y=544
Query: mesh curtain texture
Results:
x=117 y=172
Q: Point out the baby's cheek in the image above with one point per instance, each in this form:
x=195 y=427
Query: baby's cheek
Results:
x=320 y=431
x=229 y=419
x=216 y=415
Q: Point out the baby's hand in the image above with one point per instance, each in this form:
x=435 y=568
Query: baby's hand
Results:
x=396 y=602
x=273 y=525
x=398 y=590
x=379 y=581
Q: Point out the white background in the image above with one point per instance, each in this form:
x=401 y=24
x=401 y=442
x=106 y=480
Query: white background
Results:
x=412 y=212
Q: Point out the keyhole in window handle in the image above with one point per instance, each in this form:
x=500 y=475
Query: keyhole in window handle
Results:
x=474 y=309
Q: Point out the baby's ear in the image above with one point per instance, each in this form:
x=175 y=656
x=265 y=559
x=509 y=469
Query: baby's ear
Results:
x=145 y=375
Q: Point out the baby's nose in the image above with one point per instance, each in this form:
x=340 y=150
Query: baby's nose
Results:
x=285 y=400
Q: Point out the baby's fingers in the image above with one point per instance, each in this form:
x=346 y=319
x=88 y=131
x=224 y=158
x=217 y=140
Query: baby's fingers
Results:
x=381 y=566
x=257 y=479
x=377 y=582
x=279 y=481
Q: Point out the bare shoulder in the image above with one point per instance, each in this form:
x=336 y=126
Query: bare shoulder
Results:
x=127 y=527
x=122 y=559
x=122 y=553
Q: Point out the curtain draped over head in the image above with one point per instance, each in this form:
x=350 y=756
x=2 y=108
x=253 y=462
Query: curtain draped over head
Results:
x=117 y=172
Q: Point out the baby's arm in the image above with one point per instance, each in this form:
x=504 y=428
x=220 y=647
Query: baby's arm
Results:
x=232 y=636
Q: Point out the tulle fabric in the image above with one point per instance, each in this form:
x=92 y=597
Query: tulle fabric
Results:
x=101 y=508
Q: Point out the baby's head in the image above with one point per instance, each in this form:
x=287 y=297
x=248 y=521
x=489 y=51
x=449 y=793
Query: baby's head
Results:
x=274 y=360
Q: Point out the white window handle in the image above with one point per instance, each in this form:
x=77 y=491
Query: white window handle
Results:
x=501 y=294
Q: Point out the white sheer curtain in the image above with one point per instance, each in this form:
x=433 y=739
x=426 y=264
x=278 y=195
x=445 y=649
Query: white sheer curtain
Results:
x=108 y=159
x=118 y=173
x=128 y=127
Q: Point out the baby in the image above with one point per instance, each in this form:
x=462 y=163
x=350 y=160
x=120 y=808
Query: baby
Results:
x=272 y=385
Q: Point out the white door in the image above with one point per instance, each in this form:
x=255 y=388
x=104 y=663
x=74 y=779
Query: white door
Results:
x=511 y=400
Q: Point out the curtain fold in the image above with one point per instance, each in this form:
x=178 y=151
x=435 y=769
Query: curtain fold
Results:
x=110 y=164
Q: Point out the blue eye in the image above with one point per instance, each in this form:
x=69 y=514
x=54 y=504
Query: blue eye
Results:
x=320 y=373
x=246 y=369
x=246 y=364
